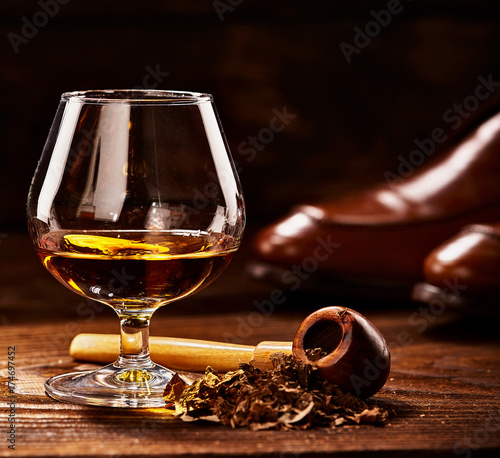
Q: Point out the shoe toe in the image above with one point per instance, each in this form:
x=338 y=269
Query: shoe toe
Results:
x=472 y=258
x=343 y=251
x=286 y=241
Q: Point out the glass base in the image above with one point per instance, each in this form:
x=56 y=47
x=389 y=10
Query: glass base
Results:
x=112 y=386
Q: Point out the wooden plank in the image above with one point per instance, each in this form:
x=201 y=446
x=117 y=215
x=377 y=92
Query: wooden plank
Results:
x=445 y=397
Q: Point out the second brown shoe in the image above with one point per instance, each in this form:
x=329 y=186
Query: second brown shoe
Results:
x=464 y=271
x=381 y=236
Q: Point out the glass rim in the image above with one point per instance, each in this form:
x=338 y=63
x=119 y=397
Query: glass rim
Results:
x=137 y=96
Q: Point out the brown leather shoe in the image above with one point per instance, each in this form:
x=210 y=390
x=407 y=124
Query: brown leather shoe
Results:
x=381 y=236
x=465 y=270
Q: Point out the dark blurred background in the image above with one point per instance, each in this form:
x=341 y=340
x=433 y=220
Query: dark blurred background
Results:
x=347 y=121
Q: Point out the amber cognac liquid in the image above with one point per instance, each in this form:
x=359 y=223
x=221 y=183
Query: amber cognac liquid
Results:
x=137 y=269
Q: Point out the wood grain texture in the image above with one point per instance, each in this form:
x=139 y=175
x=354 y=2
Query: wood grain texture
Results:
x=443 y=391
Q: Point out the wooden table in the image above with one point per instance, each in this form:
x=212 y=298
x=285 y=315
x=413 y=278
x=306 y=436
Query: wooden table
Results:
x=444 y=387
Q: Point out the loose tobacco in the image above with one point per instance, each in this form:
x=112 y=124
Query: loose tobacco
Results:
x=290 y=396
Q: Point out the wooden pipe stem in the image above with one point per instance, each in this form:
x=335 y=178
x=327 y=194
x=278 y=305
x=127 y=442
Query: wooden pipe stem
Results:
x=180 y=354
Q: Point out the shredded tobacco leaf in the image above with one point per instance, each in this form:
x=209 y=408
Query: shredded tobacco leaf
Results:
x=313 y=354
x=290 y=396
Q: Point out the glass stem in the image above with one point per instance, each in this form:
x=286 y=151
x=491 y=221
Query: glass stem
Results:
x=134 y=342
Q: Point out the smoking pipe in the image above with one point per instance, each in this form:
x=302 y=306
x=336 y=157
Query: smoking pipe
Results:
x=355 y=354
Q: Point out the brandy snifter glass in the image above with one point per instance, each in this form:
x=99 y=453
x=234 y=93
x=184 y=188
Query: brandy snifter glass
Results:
x=135 y=203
